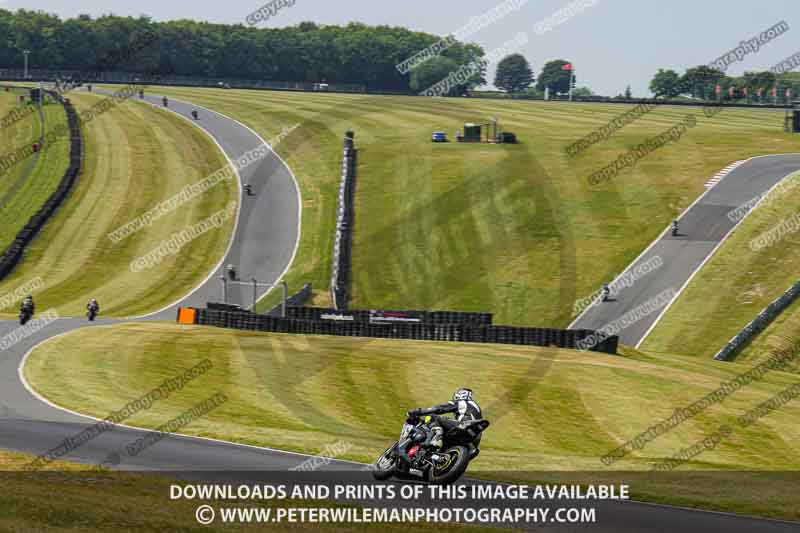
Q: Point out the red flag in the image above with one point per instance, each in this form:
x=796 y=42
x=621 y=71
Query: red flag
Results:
x=731 y=91
x=718 y=89
x=568 y=66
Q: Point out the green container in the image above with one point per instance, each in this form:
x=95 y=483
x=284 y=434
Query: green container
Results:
x=472 y=132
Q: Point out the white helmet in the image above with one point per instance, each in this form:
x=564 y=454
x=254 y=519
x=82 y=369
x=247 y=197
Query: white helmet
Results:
x=462 y=394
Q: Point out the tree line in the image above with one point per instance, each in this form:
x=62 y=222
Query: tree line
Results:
x=707 y=83
x=352 y=54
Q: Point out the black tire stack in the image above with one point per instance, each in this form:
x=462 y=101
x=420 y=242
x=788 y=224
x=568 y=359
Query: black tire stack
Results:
x=343 y=239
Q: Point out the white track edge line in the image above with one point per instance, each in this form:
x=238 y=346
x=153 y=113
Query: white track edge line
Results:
x=709 y=256
x=332 y=459
x=239 y=205
x=633 y=263
x=296 y=186
x=35 y=394
x=232 y=238
x=666 y=230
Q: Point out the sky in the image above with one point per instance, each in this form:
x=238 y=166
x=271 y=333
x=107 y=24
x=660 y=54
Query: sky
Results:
x=612 y=43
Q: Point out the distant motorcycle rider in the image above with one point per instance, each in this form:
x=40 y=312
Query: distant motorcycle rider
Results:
x=606 y=293
x=93 y=306
x=232 y=272
x=463 y=406
x=27 y=305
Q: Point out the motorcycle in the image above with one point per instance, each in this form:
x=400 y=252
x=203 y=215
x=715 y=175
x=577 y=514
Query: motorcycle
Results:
x=91 y=314
x=410 y=458
x=24 y=316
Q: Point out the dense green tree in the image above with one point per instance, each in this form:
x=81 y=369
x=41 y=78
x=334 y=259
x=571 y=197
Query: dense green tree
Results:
x=432 y=72
x=513 y=74
x=700 y=81
x=554 y=77
x=666 y=83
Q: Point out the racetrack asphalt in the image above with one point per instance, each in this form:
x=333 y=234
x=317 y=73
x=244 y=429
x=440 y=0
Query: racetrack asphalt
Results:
x=702 y=228
x=263 y=245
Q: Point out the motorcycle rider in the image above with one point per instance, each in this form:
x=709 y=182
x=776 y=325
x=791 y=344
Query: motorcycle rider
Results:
x=606 y=293
x=27 y=305
x=463 y=405
x=93 y=306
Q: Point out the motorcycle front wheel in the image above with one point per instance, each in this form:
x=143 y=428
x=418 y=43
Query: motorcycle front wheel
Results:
x=452 y=466
x=385 y=466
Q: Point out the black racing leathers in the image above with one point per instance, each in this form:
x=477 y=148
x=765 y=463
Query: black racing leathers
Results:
x=462 y=409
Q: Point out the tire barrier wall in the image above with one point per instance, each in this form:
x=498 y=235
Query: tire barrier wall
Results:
x=417 y=331
x=424 y=317
x=295 y=300
x=343 y=239
x=764 y=319
x=13 y=254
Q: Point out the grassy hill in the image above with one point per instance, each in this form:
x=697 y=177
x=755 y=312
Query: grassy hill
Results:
x=551 y=410
x=25 y=187
x=136 y=156
x=515 y=230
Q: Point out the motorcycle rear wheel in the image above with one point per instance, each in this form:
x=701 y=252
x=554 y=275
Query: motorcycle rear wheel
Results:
x=449 y=471
x=385 y=466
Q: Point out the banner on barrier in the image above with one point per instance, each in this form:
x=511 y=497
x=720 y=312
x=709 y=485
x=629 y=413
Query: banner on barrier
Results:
x=389 y=317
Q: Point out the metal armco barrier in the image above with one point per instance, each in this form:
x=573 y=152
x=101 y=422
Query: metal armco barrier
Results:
x=13 y=254
x=765 y=317
x=412 y=331
x=362 y=315
x=343 y=240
